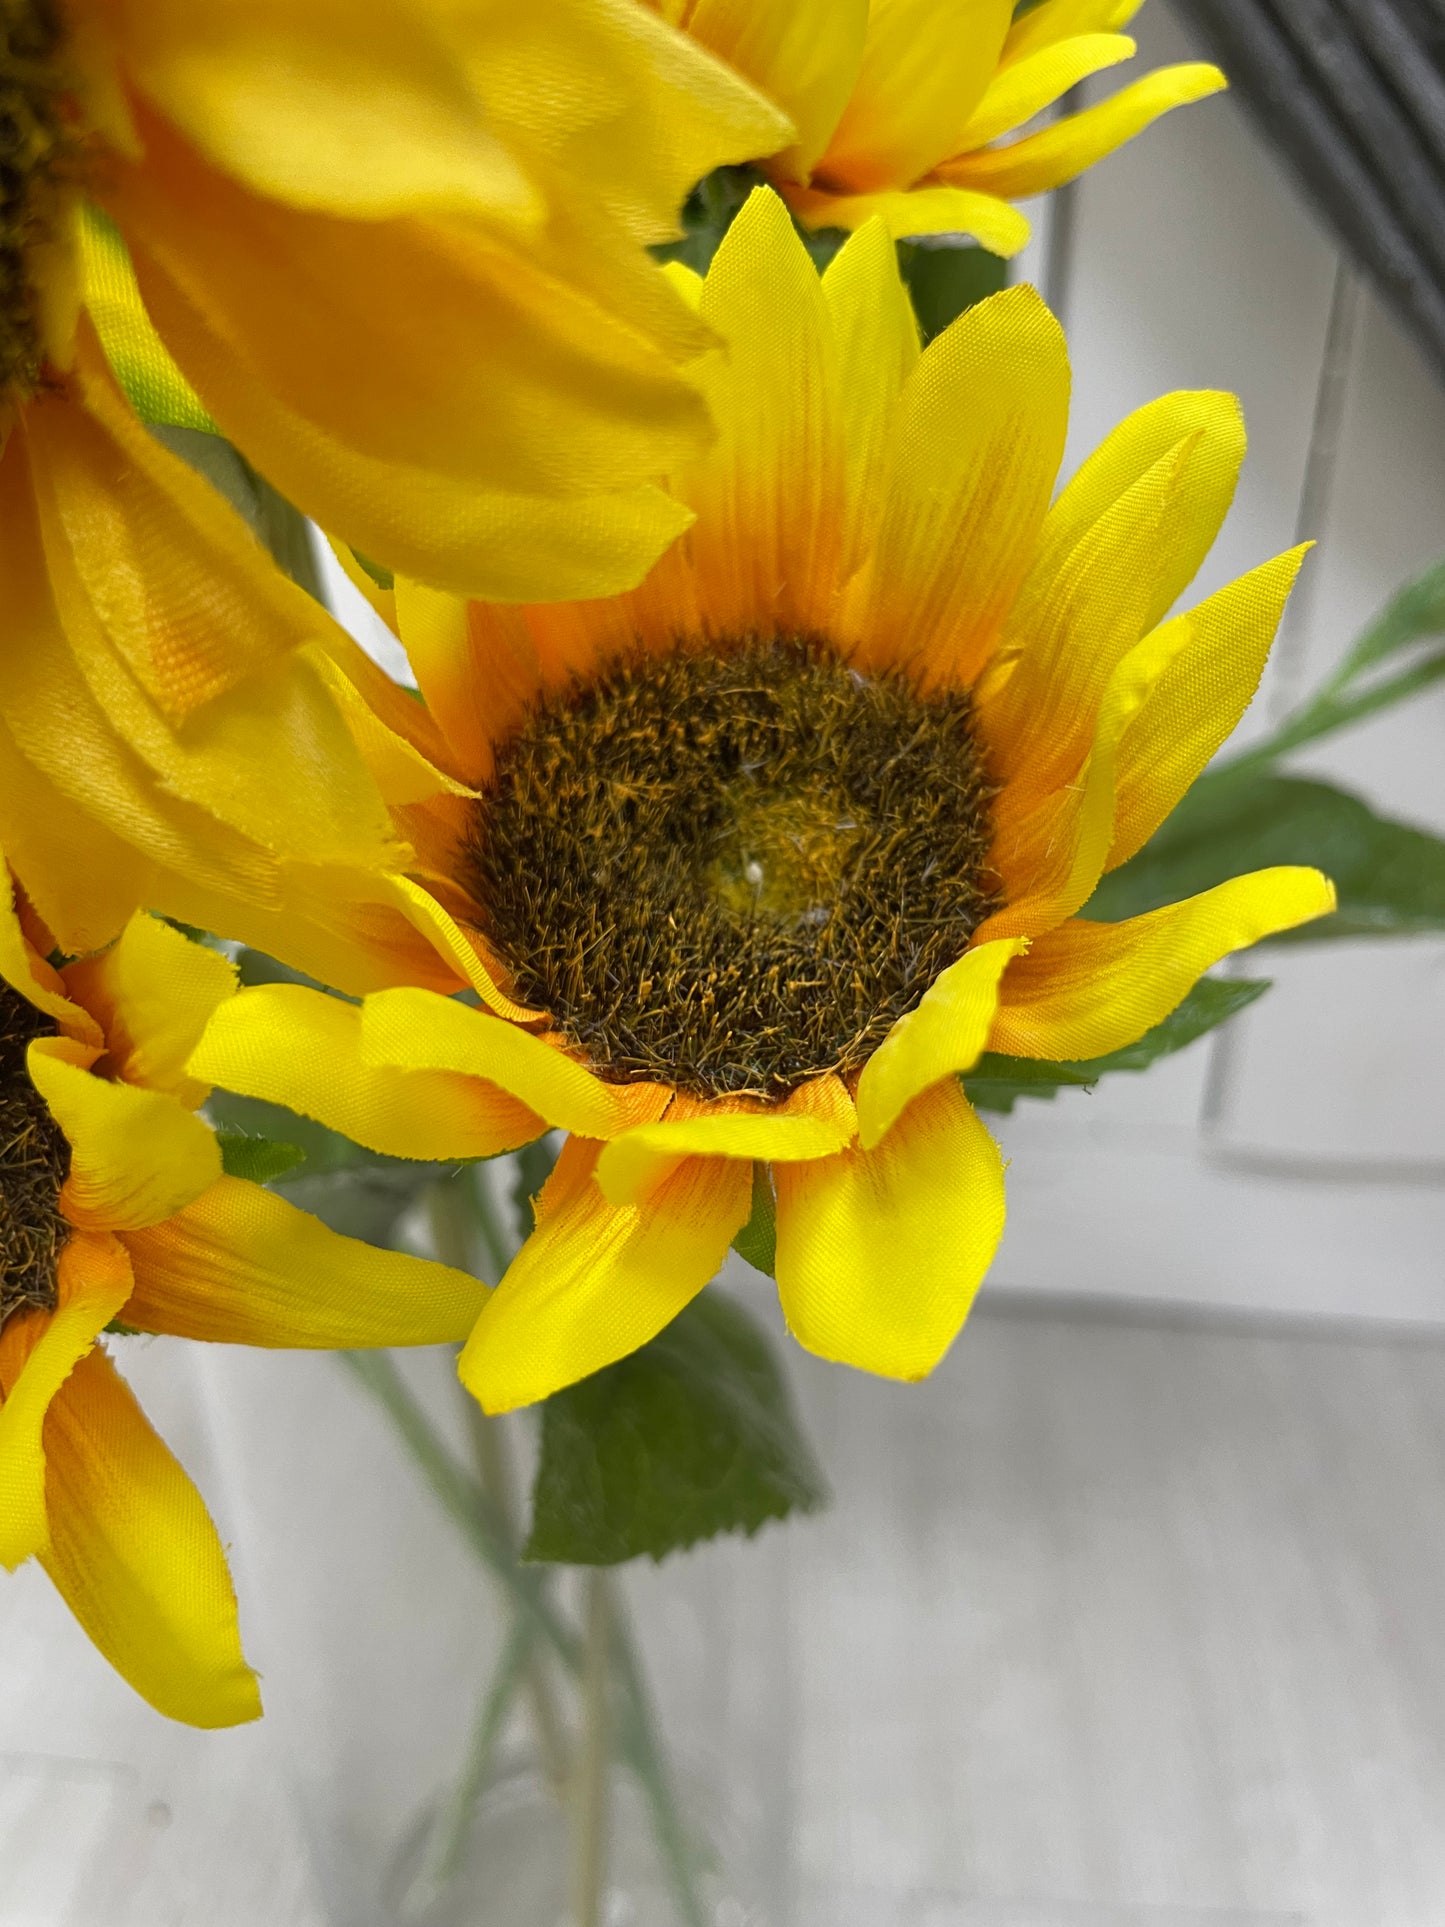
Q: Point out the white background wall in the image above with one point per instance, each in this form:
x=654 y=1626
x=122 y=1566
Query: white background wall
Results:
x=1318 y=1184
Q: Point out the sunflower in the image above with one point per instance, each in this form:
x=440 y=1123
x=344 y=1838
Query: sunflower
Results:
x=900 y=104
x=357 y=234
x=762 y=855
x=397 y=250
x=114 y=1212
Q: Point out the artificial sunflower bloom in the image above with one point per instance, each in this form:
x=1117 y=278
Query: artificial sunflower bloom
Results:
x=763 y=855
x=397 y=250
x=904 y=107
x=114 y=1211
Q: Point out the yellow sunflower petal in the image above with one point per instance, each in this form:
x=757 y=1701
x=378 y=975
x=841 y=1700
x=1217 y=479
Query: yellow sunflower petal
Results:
x=977 y=444
x=462 y=949
x=154 y=992
x=769 y=494
x=405 y=777
x=299 y=1048
x=187 y=637
x=633 y=1165
x=41 y=829
x=382 y=602
x=152 y=381
x=527 y=397
x=244 y=1267
x=1198 y=699
x=182 y=587
x=38 y=1352
x=1211 y=422
x=73 y=747
x=324 y=106
x=805 y=56
x=931 y=209
x=594 y=1282
x=881 y=1252
x=25 y=970
x=1075 y=620
x=1050 y=848
x=1089 y=988
x=136 y=1155
x=136 y=1557
x=1025 y=87
x=476 y=666
x=945 y=1034
x=925 y=68
x=637 y=113
x=878 y=347
x=1051 y=21
x=1048 y=159
x=419 y=1031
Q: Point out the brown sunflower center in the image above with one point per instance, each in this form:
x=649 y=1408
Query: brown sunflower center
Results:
x=34 y=1160
x=34 y=146
x=736 y=866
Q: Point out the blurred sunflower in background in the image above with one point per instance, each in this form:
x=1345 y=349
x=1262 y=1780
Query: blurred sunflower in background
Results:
x=398 y=252
x=116 y=1212
x=397 y=257
x=746 y=866
x=902 y=106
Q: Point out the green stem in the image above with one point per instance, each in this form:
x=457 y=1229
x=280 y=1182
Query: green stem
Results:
x=642 y=1748
x=447 y=1838
x=464 y=1500
x=494 y=1469
x=456 y=1208
x=590 y=1803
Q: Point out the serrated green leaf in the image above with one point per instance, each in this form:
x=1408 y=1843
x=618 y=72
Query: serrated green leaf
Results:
x=1390 y=877
x=258 y=1158
x=689 y=1438
x=944 y=276
x=757 y=1242
x=996 y=1083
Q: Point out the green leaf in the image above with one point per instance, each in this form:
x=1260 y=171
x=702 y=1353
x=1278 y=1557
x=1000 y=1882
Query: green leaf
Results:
x=944 y=276
x=996 y=1082
x=691 y=1437
x=1390 y=877
x=707 y=215
x=757 y=1242
x=383 y=578
x=319 y=1151
x=258 y=1158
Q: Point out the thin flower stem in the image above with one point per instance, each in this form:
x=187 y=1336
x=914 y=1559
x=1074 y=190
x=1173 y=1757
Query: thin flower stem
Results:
x=448 y=1836
x=464 y=1500
x=459 y=1208
x=462 y=1497
x=590 y=1802
x=642 y=1748
x=494 y=1469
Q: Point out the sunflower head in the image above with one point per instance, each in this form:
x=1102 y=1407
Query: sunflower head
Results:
x=116 y=1209
x=760 y=857
x=37 y=153
x=34 y=1163
x=733 y=867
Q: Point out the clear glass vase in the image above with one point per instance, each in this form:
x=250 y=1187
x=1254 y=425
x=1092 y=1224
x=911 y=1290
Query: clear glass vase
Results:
x=473 y=1743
